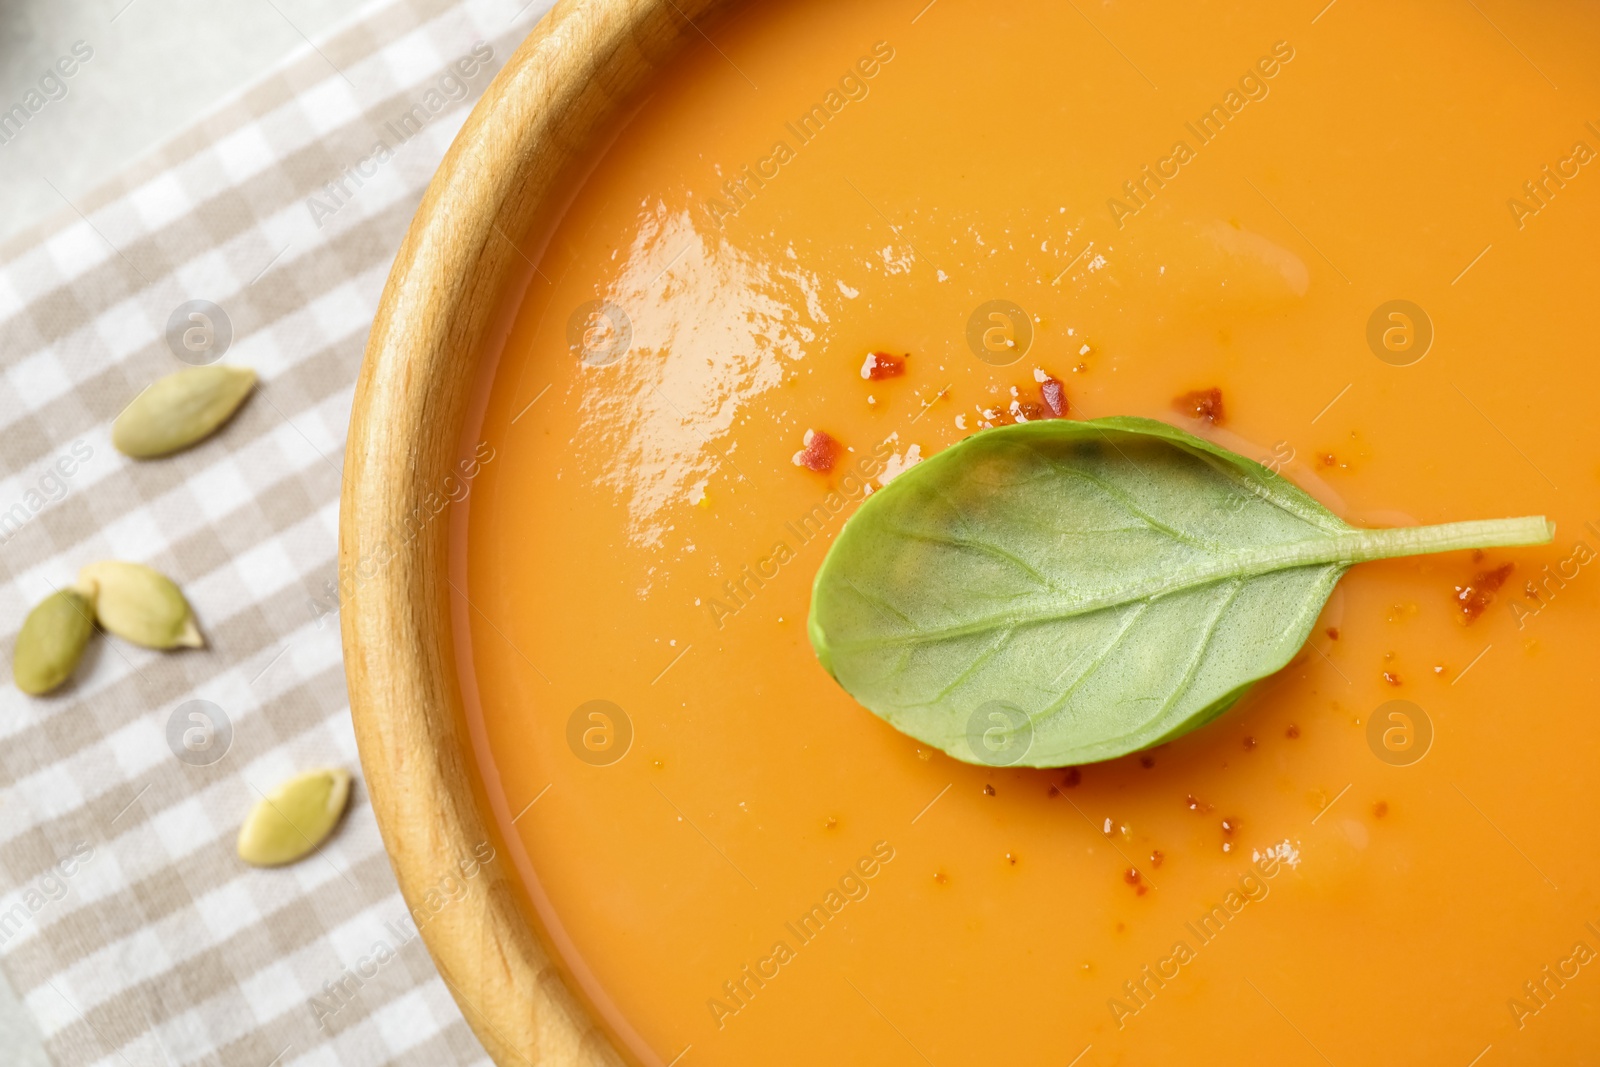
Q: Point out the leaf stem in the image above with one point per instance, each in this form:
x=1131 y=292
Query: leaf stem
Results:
x=1326 y=549
x=1364 y=545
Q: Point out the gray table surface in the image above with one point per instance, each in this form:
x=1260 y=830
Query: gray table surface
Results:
x=157 y=66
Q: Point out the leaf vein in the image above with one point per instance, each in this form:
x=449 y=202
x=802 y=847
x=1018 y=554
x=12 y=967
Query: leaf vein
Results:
x=1099 y=659
x=1126 y=501
x=955 y=683
x=1200 y=651
x=994 y=551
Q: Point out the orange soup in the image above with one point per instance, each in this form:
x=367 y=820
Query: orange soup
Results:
x=1356 y=244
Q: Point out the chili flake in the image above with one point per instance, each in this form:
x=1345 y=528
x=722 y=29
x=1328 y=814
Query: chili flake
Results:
x=1201 y=404
x=1478 y=594
x=819 y=453
x=881 y=365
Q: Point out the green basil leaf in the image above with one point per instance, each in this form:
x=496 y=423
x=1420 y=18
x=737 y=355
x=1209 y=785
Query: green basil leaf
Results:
x=1059 y=592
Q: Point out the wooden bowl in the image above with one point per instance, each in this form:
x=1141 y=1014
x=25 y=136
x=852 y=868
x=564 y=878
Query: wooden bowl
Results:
x=446 y=296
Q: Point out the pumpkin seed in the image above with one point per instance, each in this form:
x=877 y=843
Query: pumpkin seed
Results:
x=52 y=640
x=292 y=820
x=181 y=410
x=140 y=605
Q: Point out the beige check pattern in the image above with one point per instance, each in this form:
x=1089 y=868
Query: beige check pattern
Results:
x=127 y=925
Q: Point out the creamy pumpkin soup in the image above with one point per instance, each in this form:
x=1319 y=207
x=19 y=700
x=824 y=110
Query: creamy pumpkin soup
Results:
x=1353 y=244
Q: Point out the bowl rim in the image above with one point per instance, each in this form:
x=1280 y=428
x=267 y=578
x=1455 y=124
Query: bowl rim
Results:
x=576 y=72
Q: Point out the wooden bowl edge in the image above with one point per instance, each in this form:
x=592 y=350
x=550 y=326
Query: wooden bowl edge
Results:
x=582 y=63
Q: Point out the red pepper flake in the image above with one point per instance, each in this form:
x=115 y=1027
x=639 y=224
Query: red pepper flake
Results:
x=1011 y=858
x=1006 y=412
x=881 y=365
x=1131 y=876
x=1054 y=395
x=940 y=878
x=1332 y=632
x=1156 y=857
x=1380 y=809
x=1249 y=743
x=1074 y=776
x=1477 y=595
x=988 y=790
x=1230 y=826
x=1292 y=732
x=1329 y=459
x=1147 y=762
x=819 y=453
x=1391 y=677
x=1141 y=891
x=1201 y=404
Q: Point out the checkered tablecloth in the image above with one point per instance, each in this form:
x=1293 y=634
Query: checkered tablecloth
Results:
x=127 y=925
